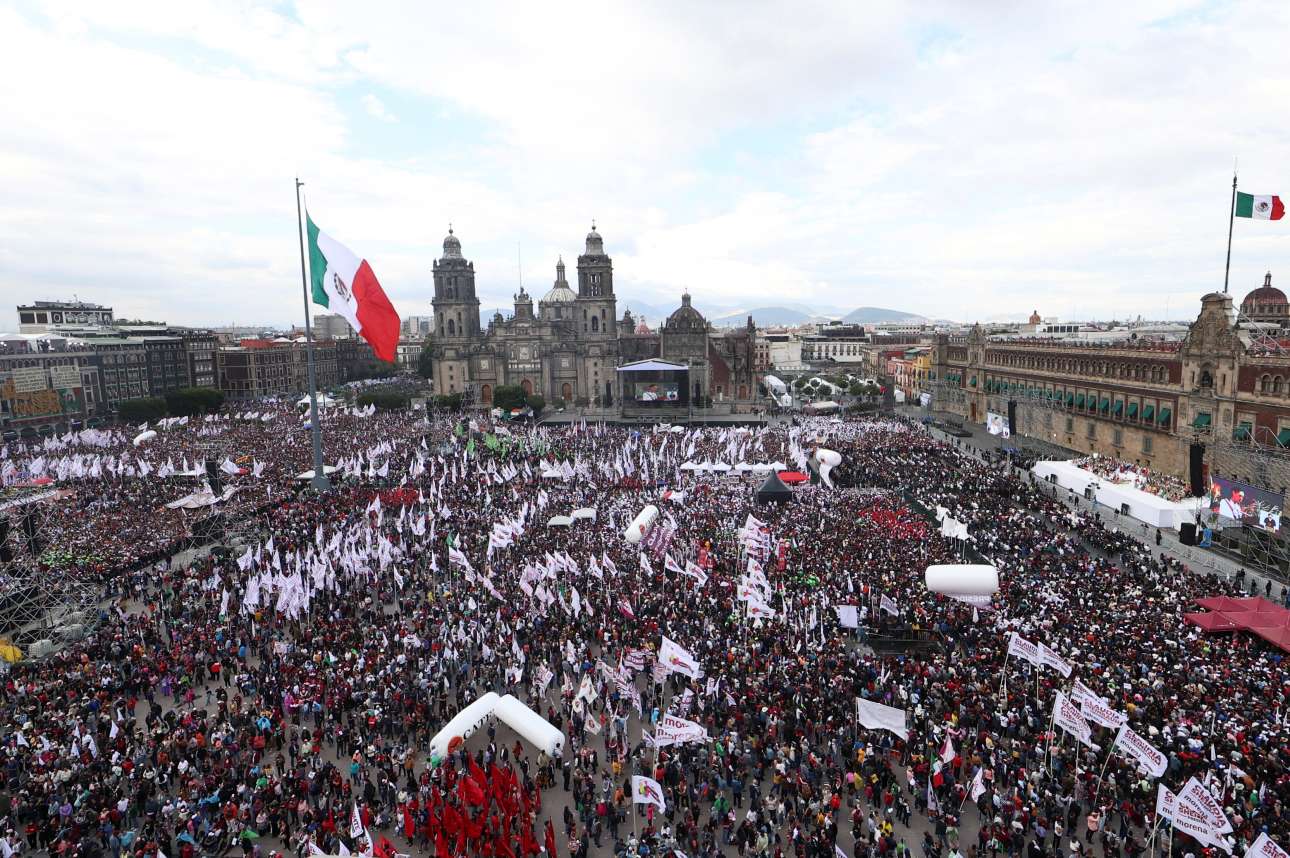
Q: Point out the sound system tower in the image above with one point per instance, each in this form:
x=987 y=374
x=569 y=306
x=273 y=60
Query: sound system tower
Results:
x=1197 y=471
x=6 y=553
x=1187 y=533
x=29 y=527
x=1012 y=417
x=213 y=477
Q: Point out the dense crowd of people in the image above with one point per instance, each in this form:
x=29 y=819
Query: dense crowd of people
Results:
x=282 y=696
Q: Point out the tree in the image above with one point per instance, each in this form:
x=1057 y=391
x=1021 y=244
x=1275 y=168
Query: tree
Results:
x=145 y=409
x=191 y=401
x=448 y=402
x=508 y=396
x=537 y=402
x=425 y=367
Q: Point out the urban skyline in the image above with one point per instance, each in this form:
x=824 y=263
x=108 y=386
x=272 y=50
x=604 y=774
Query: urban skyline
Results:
x=975 y=165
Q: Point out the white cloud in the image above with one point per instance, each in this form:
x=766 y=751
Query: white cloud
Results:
x=946 y=158
x=376 y=109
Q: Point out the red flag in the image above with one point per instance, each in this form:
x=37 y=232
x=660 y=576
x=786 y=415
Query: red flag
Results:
x=384 y=848
x=550 y=839
x=470 y=792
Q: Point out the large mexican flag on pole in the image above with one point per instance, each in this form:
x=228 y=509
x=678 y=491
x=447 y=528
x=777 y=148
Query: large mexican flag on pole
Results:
x=1259 y=207
x=345 y=284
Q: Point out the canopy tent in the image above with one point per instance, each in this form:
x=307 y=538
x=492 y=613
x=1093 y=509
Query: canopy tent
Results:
x=1256 y=615
x=584 y=512
x=309 y=475
x=559 y=521
x=792 y=477
x=324 y=401
x=774 y=491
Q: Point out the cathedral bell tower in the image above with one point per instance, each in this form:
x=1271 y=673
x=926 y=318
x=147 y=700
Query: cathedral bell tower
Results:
x=456 y=318
x=596 y=304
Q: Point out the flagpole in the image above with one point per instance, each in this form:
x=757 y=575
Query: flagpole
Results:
x=1231 y=220
x=319 y=481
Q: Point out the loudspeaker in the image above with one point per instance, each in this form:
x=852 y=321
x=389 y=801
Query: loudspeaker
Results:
x=1187 y=533
x=28 y=524
x=213 y=477
x=6 y=553
x=1197 y=470
x=1012 y=417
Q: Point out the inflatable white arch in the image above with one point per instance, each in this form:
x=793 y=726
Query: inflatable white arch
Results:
x=636 y=530
x=963 y=579
x=531 y=726
x=464 y=723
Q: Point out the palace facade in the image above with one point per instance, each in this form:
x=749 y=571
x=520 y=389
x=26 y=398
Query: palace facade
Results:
x=1144 y=401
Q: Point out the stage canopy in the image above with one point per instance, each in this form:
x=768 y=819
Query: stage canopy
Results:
x=1257 y=615
x=653 y=365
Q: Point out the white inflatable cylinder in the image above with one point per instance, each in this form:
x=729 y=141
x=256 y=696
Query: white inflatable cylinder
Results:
x=636 y=530
x=826 y=461
x=531 y=726
x=963 y=579
x=464 y=723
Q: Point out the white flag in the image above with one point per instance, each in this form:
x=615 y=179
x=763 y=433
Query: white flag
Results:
x=847 y=617
x=1151 y=760
x=876 y=716
x=647 y=791
x=1264 y=847
x=677 y=659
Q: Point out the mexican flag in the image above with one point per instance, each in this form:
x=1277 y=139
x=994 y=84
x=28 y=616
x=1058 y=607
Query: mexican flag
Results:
x=1259 y=207
x=345 y=284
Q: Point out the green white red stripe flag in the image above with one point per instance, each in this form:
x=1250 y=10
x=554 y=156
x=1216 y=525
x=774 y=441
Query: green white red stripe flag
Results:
x=1259 y=207
x=345 y=284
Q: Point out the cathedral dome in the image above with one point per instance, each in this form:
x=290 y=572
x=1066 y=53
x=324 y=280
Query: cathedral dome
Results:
x=451 y=246
x=559 y=294
x=595 y=246
x=1265 y=294
x=686 y=316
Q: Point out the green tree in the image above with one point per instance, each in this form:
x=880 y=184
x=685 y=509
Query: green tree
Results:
x=537 y=402
x=191 y=401
x=137 y=410
x=448 y=402
x=425 y=367
x=508 y=396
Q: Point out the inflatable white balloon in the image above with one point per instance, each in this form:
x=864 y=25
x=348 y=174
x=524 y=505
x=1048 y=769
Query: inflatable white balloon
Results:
x=825 y=461
x=636 y=530
x=464 y=723
x=530 y=726
x=144 y=436
x=963 y=579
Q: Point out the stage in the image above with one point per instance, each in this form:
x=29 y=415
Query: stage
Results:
x=1130 y=501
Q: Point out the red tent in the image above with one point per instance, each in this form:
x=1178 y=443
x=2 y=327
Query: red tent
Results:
x=1266 y=619
x=1211 y=621
x=793 y=477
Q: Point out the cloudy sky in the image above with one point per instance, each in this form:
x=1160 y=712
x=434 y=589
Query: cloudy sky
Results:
x=957 y=159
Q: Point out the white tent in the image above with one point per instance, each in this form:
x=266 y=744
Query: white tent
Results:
x=309 y=475
x=559 y=521
x=585 y=512
x=691 y=466
x=324 y=401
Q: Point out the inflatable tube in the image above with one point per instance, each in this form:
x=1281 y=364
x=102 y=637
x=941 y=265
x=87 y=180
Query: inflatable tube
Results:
x=963 y=579
x=464 y=723
x=531 y=726
x=147 y=435
x=640 y=524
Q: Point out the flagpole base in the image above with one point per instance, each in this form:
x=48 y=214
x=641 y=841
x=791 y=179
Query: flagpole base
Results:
x=320 y=483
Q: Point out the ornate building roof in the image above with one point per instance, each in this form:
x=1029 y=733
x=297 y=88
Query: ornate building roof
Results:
x=560 y=293
x=685 y=317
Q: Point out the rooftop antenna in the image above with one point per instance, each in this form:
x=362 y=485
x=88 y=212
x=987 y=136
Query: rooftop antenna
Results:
x=519 y=264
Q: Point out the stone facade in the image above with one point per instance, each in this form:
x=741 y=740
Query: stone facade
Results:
x=1138 y=401
x=569 y=347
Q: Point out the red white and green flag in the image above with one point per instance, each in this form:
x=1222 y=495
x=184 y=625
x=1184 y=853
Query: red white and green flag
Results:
x=1259 y=207
x=345 y=284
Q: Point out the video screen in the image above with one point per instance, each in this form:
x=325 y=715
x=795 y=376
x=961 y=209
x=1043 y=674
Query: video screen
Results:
x=1245 y=503
x=657 y=391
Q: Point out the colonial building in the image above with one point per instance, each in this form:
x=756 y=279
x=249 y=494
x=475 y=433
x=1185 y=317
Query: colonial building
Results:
x=1227 y=381
x=569 y=346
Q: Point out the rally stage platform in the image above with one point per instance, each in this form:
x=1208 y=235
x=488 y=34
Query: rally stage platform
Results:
x=1130 y=501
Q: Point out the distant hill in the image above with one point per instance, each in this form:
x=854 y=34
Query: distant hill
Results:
x=872 y=315
x=764 y=316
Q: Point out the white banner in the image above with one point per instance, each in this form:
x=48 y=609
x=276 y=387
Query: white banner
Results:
x=875 y=716
x=1099 y=713
x=1264 y=847
x=847 y=616
x=1050 y=658
x=1023 y=648
x=1066 y=715
x=1150 y=759
x=1081 y=692
x=672 y=730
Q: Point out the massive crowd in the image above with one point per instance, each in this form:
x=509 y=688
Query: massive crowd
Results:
x=282 y=696
x=1166 y=485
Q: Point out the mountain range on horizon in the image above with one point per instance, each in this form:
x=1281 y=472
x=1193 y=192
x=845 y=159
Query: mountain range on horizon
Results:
x=763 y=316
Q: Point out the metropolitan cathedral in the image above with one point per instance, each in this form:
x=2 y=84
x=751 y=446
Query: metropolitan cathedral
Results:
x=570 y=347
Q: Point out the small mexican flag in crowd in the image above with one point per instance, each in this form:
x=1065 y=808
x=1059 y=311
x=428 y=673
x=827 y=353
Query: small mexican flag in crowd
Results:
x=345 y=284
x=1259 y=207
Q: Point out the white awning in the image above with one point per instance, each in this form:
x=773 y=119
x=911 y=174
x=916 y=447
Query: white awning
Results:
x=653 y=365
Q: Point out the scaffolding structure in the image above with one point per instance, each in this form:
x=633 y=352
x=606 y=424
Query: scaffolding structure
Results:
x=42 y=610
